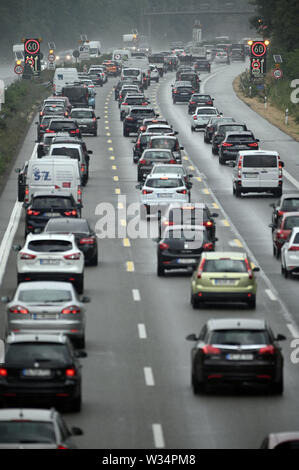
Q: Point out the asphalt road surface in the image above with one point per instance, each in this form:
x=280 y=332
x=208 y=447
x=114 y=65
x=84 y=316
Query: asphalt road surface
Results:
x=136 y=378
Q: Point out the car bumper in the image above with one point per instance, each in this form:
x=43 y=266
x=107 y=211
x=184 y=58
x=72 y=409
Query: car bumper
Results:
x=182 y=99
x=50 y=276
x=210 y=296
x=179 y=261
x=258 y=189
x=239 y=373
x=37 y=392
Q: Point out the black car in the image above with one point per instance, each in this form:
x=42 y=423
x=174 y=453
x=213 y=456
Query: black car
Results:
x=44 y=206
x=202 y=65
x=212 y=126
x=191 y=77
x=233 y=142
x=189 y=214
x=96 y=79
x=131 y=100
x=85 y=237
x=42 y=126
x=198 y=99
x=236 y=351
x=287 y=203
x=77 y=95
x=221 y=130
x=141 y=144
x=41 y=369
x=237 y=54
x=182 y=92
x=135 y=118
x=66 y=139
x=64 y=125
x=181 y=247
x=149 y=158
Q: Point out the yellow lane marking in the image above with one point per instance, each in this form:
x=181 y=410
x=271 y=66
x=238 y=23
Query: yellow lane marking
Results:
x=116 y=178
x=186 y=158
x=114 y=167
x=120 y=205
x=110 y=149
x=199 y=179
x=225 y=223
x=191 y=167
x=109 y=141
x=123 y=223
x=117 y=191
x=108 y=134
x=112 y=157
x=238 y=243
x=130 y=266
x=206 y=191
x=215 y=205
x=126 y=242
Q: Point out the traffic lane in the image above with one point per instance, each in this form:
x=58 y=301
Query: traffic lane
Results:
x=168 y=319
x=114 y=392
x=251 y=215
x=271 y=137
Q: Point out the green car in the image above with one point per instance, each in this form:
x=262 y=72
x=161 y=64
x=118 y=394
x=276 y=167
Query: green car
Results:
x=224 y=276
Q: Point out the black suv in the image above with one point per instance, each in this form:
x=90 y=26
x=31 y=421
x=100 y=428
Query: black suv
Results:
x=212 y=125
x=182 y=92
x=202 y=65
x=64 y=125
x=220 y=132
x=42 y=126
x=41 y=369
x=45 y=206
x=198 y=100
x=135 y=118
x=77 y=95
x=233 y=142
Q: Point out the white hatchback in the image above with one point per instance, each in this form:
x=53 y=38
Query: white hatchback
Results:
x=290 y=254
x=47 y=257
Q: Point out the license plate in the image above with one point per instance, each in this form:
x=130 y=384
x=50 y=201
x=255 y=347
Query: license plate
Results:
x=164 y=195
x=40 y=316
x=186 y=261
x=239 y=357
x=36 y=372
x=50 y=262
x=250 y=175
x=224 y=282
x=52 y=214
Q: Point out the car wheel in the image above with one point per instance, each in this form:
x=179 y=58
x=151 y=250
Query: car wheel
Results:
x=277 y=192
x=160 y=271
x=80 y=343
x=221 y=160
x=214 y=152
x=192 y=129
x=76 y=404
x=286 y=273
x=237 y=192
x=94 y=260
x=206 y=140
x=174 y=101
x=252 y=303
x=80 y=285
x=277 y=387
x=194 y=301
x=139 y=177
x=126 y=133
x=95 y=133
x=198 y=387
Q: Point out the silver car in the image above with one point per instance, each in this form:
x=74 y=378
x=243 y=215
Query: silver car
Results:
x=35 y=429
x=47 y=307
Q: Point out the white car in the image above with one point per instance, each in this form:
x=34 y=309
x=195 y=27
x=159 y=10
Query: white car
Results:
x=174 y=169
x=221 y=58
x=159 y=191
x=290 y=254
x=202 y=116
x=46 y=257
x=154 y=74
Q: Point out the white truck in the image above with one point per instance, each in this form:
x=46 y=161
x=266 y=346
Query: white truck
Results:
x=94 y=48
x=18 y=51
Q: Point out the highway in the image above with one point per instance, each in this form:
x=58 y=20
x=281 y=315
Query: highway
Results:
x=136 y=378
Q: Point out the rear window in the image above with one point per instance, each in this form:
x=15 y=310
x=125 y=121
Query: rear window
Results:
x=131 y=73
x=165 y=183
x=59 y=125
x=135 y=100
x=82 y=114
x=291 y=222
x=187 y=216
x=72 y=226
x=240 y=337
x=45 y=295
x=185 y=234
x=157 y=156
x=240 y=138
x=228 y=128
x=42 y=352
x=290 y=204
x=51 y=203
x=224 y=266
x=53 y=109
x=50 y=246
x=142 y=112
x=25 y=432
x=163 y=143
x=206 y=111
x=68 y=151
x=260 y=161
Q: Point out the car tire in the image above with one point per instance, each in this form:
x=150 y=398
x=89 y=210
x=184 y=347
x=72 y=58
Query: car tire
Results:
x=286 y=273
x=192 y=129
x=94 y=260
x=80 y=343
x=194 y=301
x=174 y=101
x=252 y=303
x=160 y=270
x=197 y=387
x=221 y=160
x=206 y=140
x=80 y=285
x=214 y=152
x=237 y=192
x=139 y=176
x=95 y=134
x=126 y=133
x=76 y=404
x=277 y=192
x=277 y=387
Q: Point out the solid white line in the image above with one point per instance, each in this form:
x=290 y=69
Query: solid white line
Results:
x=142 y=331
x=270 y=294
x=8 y=237
x=136 y=295
x=149 y=377
x=293 y=330
x=158 y=436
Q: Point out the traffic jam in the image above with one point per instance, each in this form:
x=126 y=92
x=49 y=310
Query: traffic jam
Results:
x=48 y=313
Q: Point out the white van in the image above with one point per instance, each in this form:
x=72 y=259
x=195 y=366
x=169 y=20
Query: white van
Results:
x=71 y=151
x=257 y=171
x=94 y=48
x=121 y=55
x=63 y=77
x=130 y=72
x=58 y=173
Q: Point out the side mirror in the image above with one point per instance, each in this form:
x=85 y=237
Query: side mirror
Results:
x=192 y=337
x=76 y=431
x=215 y=239
x=175 y=132
x=5 y=299
x=271 y=225
x=256 y=269
x=98 y=117
x=80 y=354
x=182 y=148
x=85 y=300
x=90 y=152
x=280 y=337
x=189 y=185
x=138 y=186
x=18 y=170
x=37 y=123
x=17 y=247
x=282 y=164
x=190 y=176
x=214 y=214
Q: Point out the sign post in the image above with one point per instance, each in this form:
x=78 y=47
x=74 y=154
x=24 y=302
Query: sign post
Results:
x=258 y=59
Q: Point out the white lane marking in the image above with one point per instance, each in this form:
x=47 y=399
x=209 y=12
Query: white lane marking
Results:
x=149 y=376
x=158 y=436
x=142 y=331
x=9 y=236
x=270 y=294
x=136 y=295
x=293 y=330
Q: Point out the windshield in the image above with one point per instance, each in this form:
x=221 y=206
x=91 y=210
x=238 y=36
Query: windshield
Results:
x=45 y=295
x=224 y=266
x=20 y=353
x=240 y=337
x=260 y=161
x=18 y=431
x=164 y=183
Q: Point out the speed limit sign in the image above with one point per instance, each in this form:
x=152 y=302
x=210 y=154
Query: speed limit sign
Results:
x=32 y=46
x=277 y=73
x=51 y=57
x=258 y=49
x=19 y=69
x=117 y=56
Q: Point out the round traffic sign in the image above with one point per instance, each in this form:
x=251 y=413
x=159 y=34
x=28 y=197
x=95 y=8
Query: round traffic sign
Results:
x=256 y=64
x=29 y=61
x=32 y=46
x=117 y=57
x=19 y=69
x=277 y=73
x=76 y=54
x=258 y=49
x=51 y=57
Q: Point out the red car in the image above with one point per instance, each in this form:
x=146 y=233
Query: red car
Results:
x=284 y=228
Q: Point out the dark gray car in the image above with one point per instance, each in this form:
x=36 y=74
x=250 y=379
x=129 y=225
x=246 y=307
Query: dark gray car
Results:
x=86 y=120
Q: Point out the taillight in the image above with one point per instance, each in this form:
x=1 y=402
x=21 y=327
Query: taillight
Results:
x=3 y=372
x=208 y=223
x=31 y=212
x=82 y=168
x=209 y=349
x=129 y=118
x=69 y=213
x=226 y=144
x=49 y=131
x=172 y=162
x=281 y=234
x=146 y=191
x=19 y=309
x=167 y=223
x=210 y=102
x=138 y=144
x=253 y=144
x=94 y=119
x=125 y=104
x=26 y=256
x=79 y=194
x=195 y=117
x=267 y=350
x=163 y=246
x=142 y=162
x=249 y=270
x=208 y=246
x=182 y=191
x=87 y=241
x=293 y=248
x=200 y=268
x=192 y=102
x=61 y=447
x=280 y=213
x=74 y=256
x=70 y=372
x=72 y=309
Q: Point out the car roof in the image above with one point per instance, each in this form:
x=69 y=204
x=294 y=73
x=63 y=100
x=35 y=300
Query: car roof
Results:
x=59 y=285
x=157 y=150
x=289 y=196
x=82 y=109
x=49 y=236
x=259 y=152
x=52 y=194
x=30 y=414
x=161 y=176
x=234 y=255
x=236 y=324
x=32 y=338
x=65 y=145
x=280 y=437
x=231 y=124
